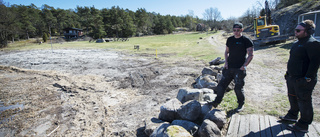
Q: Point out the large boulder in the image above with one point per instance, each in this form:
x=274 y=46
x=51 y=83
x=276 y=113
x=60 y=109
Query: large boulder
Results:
x=206 y=81
x=167 y=130
x=190 y=110
x=191 y=127
x=177 y=131
x=186 y=94
x=204 y=94
x=209 y=129
x=218 y=117
x=168 y=112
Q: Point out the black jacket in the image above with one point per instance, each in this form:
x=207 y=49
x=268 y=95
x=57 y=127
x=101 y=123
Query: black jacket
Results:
x=304 y=58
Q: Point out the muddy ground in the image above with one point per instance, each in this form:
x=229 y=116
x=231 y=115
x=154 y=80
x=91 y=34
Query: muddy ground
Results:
x=108 y=93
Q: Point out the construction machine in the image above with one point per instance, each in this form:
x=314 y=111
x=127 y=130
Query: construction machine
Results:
x=265 y=32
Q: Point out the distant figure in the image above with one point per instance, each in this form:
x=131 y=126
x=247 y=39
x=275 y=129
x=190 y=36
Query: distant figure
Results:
x=301 y=76
x=236 y=62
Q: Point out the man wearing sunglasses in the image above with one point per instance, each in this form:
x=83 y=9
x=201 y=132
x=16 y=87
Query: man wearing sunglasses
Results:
x=237 y=49
x=301 y=76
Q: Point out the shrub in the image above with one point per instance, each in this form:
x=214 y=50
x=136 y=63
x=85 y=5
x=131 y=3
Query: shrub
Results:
x=45 y=37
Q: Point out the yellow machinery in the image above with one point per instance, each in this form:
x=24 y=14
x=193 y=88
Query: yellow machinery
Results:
x=265 y=32
x=262 y=30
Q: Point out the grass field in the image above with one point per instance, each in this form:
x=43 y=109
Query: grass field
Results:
x=178 y=45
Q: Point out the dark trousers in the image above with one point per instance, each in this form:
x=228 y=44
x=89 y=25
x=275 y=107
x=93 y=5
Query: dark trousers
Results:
x=228 y=75
x=299 y=94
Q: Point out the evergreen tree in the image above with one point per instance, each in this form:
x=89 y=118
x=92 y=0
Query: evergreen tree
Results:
x=97 y=23
x=7 y=19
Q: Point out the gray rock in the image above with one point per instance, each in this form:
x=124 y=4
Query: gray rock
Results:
x=218 y=117
x=152 y=124
x=191 y=127
x=190 y=110
x=218 y=77
x=186 y=94
x=168 y=112
x=209 y=71
x=206 y=81
x=205 y=109
x=209 y=97
x=177 y=131
x=209 y=129
x=100 y=41
x=160 y=131
x=217 y=61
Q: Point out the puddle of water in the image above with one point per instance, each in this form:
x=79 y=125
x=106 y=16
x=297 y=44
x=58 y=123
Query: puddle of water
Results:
x=3 y=108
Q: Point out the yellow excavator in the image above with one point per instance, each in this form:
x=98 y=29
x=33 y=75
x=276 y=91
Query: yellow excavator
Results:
x=264 y=31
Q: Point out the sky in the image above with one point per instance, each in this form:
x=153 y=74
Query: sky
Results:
x=227 y=8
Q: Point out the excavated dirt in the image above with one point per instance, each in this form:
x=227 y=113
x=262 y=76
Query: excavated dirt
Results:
x=109 y=93
x=86 y=92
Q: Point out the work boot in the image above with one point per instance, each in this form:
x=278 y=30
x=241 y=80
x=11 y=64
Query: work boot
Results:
x=287 y=118
x=240 y=108
x=214 y=104
x=296 y=128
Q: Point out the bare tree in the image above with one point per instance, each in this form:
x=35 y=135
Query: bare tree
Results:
x=212 y=16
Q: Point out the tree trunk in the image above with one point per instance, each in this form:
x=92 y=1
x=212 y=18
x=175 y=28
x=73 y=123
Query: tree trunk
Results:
x=27 y=35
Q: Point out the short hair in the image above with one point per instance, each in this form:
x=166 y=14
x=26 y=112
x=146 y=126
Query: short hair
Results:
x=238 y=25
x=309 y=26
x=310 y=23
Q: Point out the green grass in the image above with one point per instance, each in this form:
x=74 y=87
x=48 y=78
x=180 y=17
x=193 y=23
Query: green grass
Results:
x=180 y=45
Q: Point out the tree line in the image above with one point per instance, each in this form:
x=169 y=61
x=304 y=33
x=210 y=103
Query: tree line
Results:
x=24 y=22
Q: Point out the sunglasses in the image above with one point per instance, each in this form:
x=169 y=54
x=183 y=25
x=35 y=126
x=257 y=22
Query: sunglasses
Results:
x=298 y=30
x=236 y=30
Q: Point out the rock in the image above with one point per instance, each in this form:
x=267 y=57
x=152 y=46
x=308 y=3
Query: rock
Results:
x=204 y=94
x=186 y=94
x=152 y=124
x=191 y=127
x=177 y=131
x=209 y=129
x=160 y=131
x=209 y=71
x=190 y=110
x=100 y=41
x=168 y=112
x=218 y=117
x=218 y=77
x=217 y=61
x=206 y=81
x=136 y=79
x=209 y=97
x=205 y=109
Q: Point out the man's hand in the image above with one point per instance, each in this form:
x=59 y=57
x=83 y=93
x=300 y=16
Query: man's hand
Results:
x=226 y=65
x=243 y=68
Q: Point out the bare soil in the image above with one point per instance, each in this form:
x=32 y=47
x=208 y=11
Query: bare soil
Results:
x=109 y=93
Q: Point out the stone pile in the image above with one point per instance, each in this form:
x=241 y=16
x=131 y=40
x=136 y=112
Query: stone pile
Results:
x=189 y=114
